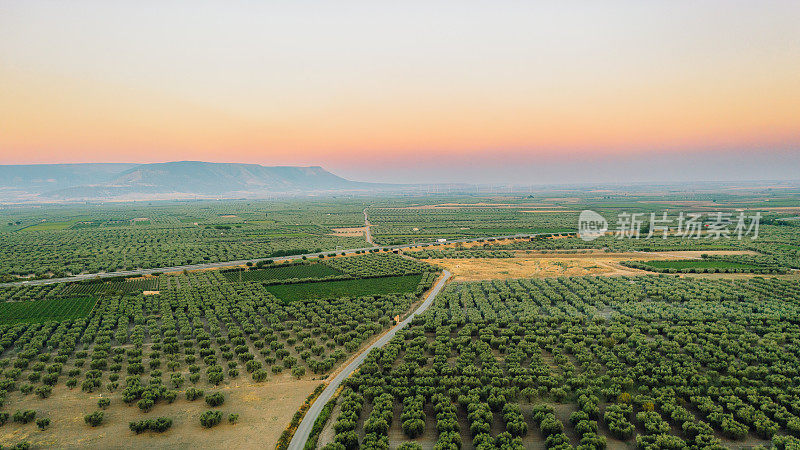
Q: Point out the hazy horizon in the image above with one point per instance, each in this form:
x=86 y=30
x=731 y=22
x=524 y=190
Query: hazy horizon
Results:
x=643 y=169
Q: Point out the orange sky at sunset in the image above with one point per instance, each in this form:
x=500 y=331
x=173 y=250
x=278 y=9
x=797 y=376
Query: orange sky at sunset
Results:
x=361 y=86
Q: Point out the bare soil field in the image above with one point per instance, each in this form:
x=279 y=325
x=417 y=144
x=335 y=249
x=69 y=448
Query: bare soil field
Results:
x=541 y=265
x=348 y=232
x=264 y=410
x=501 y=268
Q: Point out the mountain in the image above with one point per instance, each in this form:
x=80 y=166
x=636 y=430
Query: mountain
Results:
x=47 y=177
x=181 y=179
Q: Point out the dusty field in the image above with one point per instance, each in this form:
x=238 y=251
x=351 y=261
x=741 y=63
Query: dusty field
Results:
x=541 y=265
x=264 y=411
x=500 y=268
x=348 y=232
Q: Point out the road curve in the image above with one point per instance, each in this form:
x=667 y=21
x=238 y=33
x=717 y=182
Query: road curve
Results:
x=304 y=429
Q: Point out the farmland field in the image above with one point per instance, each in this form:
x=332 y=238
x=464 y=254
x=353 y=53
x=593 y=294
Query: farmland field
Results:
x=699 y=264
x=426 y=225
x=402 y=225
x=358 y=288
x=523 y=339
x=167 y=234
x=135 y=285
x=45 y=310
x=51 y=226
x=651 y=362
x=149 y=355
x=283 y=272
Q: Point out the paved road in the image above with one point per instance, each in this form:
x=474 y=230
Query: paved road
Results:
x=136 y=272
x=128 y=273
x=367 y=225
x=304 y=429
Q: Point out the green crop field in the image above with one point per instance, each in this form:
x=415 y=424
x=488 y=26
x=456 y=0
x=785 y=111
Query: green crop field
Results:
x=346 y=288
x=283 y=272
x=698 y=264
x=45 y=310
x=51 y=226
x=134 y=285
x=711 y=264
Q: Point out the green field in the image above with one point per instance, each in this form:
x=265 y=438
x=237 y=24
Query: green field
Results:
x=699 y=264
x=345 y=288
x=46 y=310
x=135 y=285
x=52 y=226
x=283 y=273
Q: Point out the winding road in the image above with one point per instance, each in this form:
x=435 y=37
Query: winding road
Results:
x=304 y=429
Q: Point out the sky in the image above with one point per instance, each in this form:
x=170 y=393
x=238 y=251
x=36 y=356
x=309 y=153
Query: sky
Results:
x=414 y=91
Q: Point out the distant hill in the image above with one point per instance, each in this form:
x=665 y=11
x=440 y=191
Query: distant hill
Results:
x=182 y=179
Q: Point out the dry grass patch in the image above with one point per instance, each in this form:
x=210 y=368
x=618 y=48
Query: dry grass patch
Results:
x=264 y=411
x=542 y=265
x=348 y=232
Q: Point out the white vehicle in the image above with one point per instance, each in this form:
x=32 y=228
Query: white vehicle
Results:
x=441 y=240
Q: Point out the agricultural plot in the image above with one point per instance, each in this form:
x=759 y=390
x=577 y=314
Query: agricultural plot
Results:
x=459 y=254
x=377 y=264
x=134 y=285
x=651 y=361
x=23 y=293
x=700 y=265
x=121 y=286
x=95 y=239
x=283 y=272
x=202 y=333
x=773 y=246
x=347 y=288
x=45 y=310
x=88 y=288
x=404 y=225
x=51 y=226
